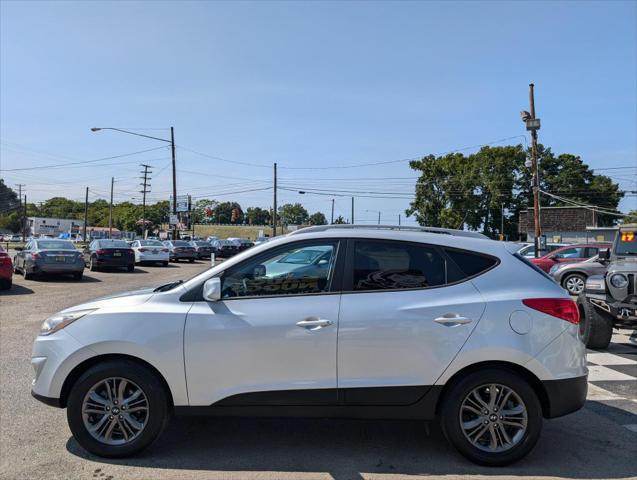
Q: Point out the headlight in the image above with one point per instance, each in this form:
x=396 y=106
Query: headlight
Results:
x=618 y=280
x=61 y=320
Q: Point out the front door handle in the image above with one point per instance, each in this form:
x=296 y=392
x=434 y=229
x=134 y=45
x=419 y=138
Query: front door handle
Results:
x=452 y=320
x=314 y=323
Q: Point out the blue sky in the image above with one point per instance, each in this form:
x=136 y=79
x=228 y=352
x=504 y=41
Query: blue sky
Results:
x=317 y=84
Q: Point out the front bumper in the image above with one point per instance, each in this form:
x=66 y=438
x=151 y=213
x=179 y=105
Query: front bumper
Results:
x=565 y=395
x=625 y=314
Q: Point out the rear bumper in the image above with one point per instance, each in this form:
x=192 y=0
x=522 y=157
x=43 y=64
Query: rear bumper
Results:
x=565 y=395
x=58 y=268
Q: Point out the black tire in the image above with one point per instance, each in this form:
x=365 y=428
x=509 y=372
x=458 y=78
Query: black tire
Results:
x=191 y=260
x=164 y=264
x=573 y=276
x=130 y=268
x=92 y=264
x=595 y=327
x=158 y=407
x=26 y=274
x=78 y=275
x=450 y=416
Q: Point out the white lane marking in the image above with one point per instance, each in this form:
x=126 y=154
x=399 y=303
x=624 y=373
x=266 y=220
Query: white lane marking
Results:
x=599 y=373
x=598 y=394
x=603 y=358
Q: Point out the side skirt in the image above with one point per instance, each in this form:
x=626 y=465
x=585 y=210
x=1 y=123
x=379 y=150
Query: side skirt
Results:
x=265 y=404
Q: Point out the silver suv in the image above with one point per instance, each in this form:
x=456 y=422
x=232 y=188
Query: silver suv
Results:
x=327 y=322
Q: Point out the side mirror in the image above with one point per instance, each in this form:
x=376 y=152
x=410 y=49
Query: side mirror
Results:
x=604 y=254
x=212 y=289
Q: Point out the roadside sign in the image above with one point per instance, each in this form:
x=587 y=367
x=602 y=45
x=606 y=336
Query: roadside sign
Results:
x=174 y=219
x=183 y=203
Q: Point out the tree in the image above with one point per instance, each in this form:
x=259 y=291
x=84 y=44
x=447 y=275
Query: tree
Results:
x=203 y=211
x=455 y=190
x=257 y=216
x=293 y=214
x=631 y=217
x=317 y=219
x=223 y=212
x=339 y=220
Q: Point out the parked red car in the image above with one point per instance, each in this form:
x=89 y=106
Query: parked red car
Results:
x=6 y=270
x=571 y=253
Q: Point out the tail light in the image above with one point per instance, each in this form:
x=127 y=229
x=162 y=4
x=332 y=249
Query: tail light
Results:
x=36 y=256
x=5 y=259
x=563 y=308
x=130 y=252
x=100 y=251
x=165 y=250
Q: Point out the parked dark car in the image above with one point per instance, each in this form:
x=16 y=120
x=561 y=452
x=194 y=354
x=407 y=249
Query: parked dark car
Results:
x=109 y=253
x=6 y=270
x=180 y=250
x=48 y=256
x=241 y=243
x=224 y=248
x=202 y=249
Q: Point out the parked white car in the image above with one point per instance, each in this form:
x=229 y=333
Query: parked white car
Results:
x=387 y=324
x=150 y=251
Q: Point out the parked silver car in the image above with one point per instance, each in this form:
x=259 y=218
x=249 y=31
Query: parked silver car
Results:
x=572 y=276
x=48 y=256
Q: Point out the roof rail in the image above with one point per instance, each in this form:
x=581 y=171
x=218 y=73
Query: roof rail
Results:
x=444 y=231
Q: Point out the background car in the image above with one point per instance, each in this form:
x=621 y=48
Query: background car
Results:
x=572 y=276
x=260 y=240
x=48 y=256
x=202 y=249
x=528 y=249
x=224 y=248
x=109 y=253
x=241 y=243
x=180 y=250
x=150 y=251
x=571 y=253
x=6 y=270
x=211 y=238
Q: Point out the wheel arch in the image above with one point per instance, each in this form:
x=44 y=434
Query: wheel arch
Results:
x=527 y=375
x=573 y=272
x=82 y=367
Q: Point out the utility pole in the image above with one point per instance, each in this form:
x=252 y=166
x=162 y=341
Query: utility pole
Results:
x=379 y=217
x=110 y=212
x=85 y=213
x=23 y=210
x=533 y=125
x=24 y=222
x=399 y=219
x=352 y=210
x=274 y=212
x=172 y=148
x=332 y=221
x=502 y=223
x=144 y=191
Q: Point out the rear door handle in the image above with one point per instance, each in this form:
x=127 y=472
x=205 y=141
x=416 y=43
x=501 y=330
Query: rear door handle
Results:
x=314 y=323
x=452 y=320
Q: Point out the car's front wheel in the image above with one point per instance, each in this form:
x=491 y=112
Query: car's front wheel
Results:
x=574 y=283
x=493 y=417
x=117 y=408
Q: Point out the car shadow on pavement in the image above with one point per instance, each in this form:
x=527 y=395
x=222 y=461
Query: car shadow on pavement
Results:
x=16 y=290
x=350 y=449
x=52 y=278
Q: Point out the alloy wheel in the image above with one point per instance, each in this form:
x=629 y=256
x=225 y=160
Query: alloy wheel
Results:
x=115 y=411
x=493 y=418
x=575 y=285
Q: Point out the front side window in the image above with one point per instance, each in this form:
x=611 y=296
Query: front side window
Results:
x=395 y=266
x=294 y=270
x=575 y=252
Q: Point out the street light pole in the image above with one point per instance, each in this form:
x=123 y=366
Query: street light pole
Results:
x=332 y=220
x=110 y=211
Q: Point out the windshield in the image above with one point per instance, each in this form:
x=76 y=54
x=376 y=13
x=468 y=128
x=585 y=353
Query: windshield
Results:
x=113 y=244
x=180 y=243
x=202 y=244
x=55 y=245
x=626 y=243
x=150 y=243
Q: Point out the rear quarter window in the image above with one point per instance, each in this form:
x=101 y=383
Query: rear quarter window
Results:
x=470 y=264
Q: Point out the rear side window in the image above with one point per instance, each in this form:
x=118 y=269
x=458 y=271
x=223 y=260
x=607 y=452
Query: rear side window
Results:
x=471 y=264
x=382 y=265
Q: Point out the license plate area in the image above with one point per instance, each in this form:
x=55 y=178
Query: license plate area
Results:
x=117 y=254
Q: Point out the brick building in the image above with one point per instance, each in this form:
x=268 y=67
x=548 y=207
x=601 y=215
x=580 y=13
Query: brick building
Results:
x=565 y=224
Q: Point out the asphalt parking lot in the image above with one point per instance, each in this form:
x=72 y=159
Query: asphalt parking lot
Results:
x=600 y=441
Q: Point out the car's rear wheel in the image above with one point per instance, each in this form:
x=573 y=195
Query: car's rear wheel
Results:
x=493 y=417
x=92 y=264
x=5 y=284
x=191 y=260
x=574 y=283
x=117 y=408
x=25 y=273
x=164 y=264
x=130 y=268
x=595 y=326
x=78 y=275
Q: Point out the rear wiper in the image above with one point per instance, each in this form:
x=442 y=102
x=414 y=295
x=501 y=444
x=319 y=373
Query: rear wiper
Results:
x=168 y=286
